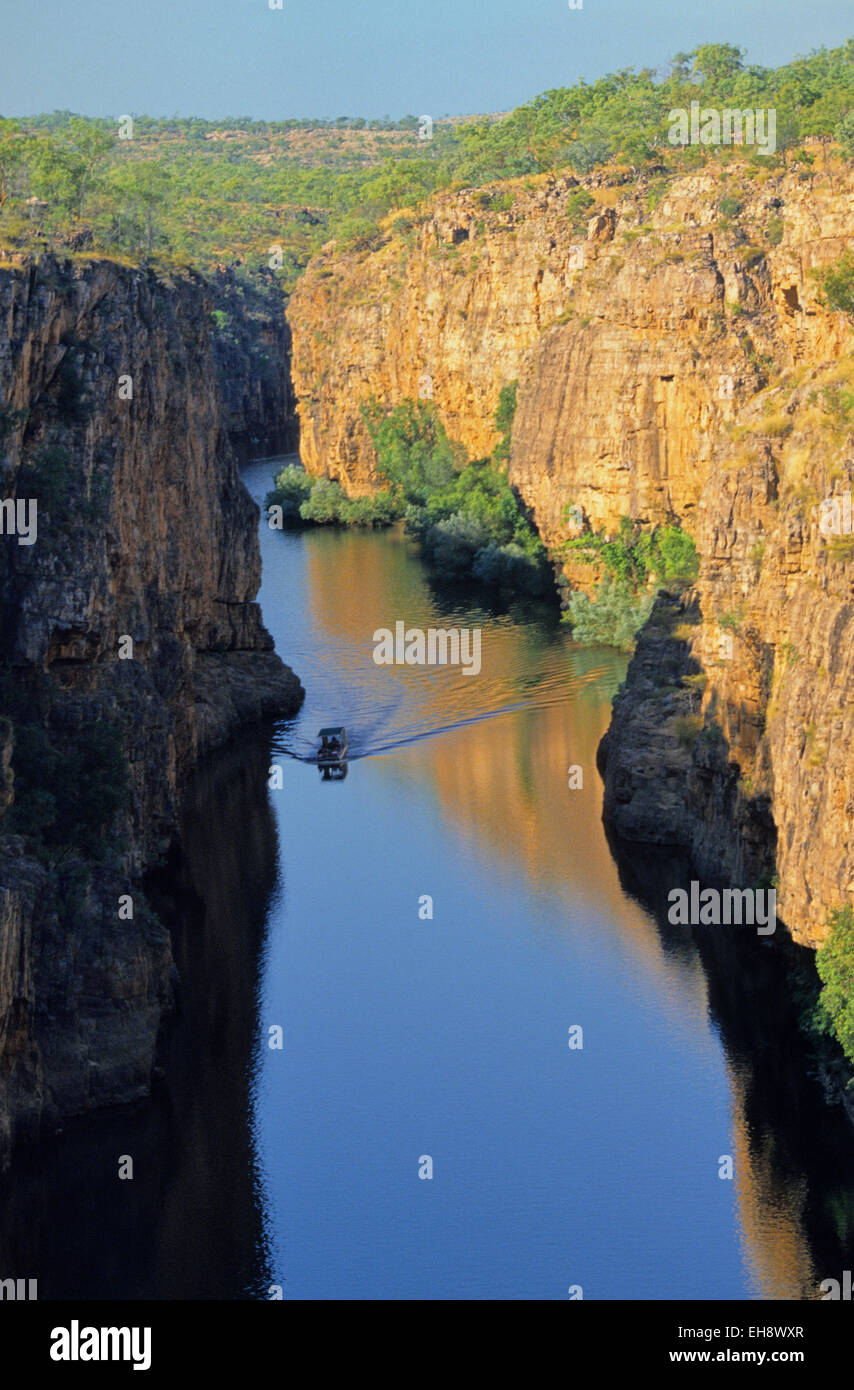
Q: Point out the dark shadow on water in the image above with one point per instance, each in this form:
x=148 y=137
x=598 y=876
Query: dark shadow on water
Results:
x=798 y=1137
x=189 y=1224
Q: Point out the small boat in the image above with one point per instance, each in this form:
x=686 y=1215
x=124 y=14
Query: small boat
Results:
x=333 y=746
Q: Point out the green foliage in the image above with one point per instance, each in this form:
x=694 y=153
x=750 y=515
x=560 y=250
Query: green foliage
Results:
x=465 y=515
x=621 y=605
x=835 y=965
x=612 y=618
x=730 y=206
x=504 y=417
x=844 y=133
x=181 y=191
x=309 y=501
x=666 y=553
x=577 y=204
x=837 y=284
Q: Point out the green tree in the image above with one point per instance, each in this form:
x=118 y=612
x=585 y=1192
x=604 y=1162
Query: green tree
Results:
x=835 y=965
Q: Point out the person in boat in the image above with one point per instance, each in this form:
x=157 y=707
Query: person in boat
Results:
x=334 y=745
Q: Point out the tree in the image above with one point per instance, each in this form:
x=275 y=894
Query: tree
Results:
x=13 y=150
x=718 y=63
x=144 y=186
x=844 y=133
x=835 y=965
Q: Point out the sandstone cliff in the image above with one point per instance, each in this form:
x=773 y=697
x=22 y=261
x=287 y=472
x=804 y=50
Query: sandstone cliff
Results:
x=675 y=363
x=115 y=424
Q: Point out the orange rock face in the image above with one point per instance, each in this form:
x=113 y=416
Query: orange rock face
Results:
x=674 y=364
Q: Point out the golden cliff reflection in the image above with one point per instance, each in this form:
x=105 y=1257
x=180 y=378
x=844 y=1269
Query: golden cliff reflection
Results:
x=770 y=1210
x=500 y=769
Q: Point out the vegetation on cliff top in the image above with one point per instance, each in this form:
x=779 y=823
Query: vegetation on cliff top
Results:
x=199 y=192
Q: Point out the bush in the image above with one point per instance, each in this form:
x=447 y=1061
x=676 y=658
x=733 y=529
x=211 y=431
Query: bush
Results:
x=292 y=488
x=376 y=511
x=452 y=545
x=835 y=965
x=577 y=204
x=309 y=501
x=324 y=504
x=612 y=618
x=504 y=417
x=510 y=568
x=837 y=283
x=667 y=552
x=844 y=133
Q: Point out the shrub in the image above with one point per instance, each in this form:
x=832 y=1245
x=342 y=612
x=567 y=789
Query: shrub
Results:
x=837 y=284
x=292 y=488
x=577 y=205
x=504 y=417
x=634 y=554
x=376 y=511
x=612 y=618
x=325 y=503
x=835 y=965
x=687 y=727
x=452 y=545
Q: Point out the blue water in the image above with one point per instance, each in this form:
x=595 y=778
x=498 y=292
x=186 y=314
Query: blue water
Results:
x=448 y=1037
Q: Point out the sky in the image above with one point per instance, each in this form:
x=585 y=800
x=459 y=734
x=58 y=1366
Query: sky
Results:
x=370 y=58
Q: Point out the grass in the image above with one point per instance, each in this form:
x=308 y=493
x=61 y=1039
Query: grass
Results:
x=687 y=727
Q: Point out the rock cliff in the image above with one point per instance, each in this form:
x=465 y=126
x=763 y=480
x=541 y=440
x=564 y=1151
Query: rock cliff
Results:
x=131 y=618
x=676 y=363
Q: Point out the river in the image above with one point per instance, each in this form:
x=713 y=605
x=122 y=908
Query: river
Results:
x=405 y=1036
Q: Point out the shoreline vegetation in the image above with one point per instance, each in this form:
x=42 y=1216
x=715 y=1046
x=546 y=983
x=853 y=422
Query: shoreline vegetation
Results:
x=468 y=521
x=472 y=527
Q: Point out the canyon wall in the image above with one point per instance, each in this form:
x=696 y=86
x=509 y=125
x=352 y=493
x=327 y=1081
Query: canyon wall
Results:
x=130 y=624
x=676 y=363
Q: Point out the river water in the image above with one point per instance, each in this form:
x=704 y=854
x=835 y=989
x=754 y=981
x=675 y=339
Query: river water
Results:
x=406 y=1037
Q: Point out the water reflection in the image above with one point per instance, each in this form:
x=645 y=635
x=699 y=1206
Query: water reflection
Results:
x=446 y=1035
x=190 y=1223
x=489 y=761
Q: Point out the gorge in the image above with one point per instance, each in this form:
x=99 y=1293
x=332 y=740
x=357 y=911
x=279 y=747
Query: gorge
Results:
x=677 y=364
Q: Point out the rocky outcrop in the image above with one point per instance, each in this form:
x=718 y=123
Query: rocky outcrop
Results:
x=252 y=348
x=134 y=612
x=676 y=363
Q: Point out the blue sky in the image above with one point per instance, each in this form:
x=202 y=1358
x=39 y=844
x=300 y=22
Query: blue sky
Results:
x=363 y=57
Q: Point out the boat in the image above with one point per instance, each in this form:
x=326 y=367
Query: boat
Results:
x=333 y=746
